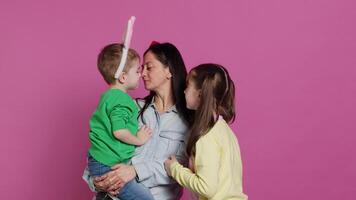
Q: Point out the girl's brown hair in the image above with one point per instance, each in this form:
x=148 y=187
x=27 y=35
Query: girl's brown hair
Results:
x=217 y=97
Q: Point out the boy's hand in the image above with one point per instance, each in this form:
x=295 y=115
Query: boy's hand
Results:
x=144 y=134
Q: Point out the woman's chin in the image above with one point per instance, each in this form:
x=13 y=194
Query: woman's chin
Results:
x=147 y=87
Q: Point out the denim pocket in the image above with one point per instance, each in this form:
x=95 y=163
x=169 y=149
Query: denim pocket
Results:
x=169 y=144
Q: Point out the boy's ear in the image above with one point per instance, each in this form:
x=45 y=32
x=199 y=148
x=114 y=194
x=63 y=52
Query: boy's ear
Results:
x=122 y=78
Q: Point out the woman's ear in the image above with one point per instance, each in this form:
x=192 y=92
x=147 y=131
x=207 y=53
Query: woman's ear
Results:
x=168 y=73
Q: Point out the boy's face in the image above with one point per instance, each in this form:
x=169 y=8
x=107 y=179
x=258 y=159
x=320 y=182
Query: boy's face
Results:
x=133 y=75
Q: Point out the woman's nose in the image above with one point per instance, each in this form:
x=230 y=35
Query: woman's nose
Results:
x=143 y=73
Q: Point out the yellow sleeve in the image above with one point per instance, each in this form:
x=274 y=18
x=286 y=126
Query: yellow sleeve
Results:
x=207 y=163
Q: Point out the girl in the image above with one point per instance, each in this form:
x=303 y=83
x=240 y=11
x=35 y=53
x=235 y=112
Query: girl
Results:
x=212 y=146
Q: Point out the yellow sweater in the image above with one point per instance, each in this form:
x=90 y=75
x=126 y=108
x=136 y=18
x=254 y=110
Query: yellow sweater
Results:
x=218 y=168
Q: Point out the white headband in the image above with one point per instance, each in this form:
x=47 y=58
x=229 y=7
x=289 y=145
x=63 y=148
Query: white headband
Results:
x=126 y=43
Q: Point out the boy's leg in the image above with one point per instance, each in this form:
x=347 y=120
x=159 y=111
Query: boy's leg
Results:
x=135 y=191
x=98 y=169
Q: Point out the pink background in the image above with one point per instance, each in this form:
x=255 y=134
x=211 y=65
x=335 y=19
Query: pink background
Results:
x=293 y=63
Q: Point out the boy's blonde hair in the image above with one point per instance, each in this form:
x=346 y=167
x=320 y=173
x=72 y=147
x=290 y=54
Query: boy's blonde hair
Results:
x=109 y=58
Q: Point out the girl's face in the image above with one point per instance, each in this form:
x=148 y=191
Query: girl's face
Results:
x=154 y=73
x=192 y=95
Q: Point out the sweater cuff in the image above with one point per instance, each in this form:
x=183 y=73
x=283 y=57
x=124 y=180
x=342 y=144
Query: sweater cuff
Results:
x=175 y=167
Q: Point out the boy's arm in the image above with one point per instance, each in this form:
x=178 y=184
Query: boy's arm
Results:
x=119 y=117
x=124 y=135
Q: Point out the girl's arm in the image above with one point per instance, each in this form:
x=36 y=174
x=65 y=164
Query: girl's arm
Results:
x=205 y=179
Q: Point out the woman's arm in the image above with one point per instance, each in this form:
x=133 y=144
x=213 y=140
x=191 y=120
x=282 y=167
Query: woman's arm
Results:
x=153 y=172
x=86 y=177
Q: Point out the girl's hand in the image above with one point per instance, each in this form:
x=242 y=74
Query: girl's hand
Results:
x=168 y=163
x=191 y=164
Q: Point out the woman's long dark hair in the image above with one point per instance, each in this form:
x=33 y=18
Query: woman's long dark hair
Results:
x=217 y=95
x=170 y=57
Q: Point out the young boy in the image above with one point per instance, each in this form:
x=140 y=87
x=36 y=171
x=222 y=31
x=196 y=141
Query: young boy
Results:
x=113 y=126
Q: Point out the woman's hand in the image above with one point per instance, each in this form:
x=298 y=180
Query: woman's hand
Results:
x=168 y=163
x=114 y=180
x=105 y=182
x=120 y=175
x=101 y=182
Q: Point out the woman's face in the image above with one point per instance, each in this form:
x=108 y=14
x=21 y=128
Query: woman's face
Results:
x=154 y=73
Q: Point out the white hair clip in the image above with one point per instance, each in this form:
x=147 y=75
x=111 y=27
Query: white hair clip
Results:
x=126 y=43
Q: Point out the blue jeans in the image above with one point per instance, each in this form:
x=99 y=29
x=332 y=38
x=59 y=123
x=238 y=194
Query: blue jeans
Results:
x=131 y=191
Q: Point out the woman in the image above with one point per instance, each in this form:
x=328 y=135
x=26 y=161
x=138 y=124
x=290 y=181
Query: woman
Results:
x=164 y=111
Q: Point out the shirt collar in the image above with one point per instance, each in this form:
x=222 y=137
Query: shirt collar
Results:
x=153 y=105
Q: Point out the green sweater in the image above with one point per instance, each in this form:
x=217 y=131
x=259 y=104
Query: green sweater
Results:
x=116 y=110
